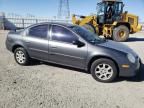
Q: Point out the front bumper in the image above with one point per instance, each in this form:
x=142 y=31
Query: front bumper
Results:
x=132 y=71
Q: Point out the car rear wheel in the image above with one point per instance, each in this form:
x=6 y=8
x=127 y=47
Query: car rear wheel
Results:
x=104 y=70
x=120 y=33
x=21 y=56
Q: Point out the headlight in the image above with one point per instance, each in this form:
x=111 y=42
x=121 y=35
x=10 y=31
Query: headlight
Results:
x=131 y=58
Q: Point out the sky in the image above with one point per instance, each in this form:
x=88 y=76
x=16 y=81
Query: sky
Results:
x=49 y=8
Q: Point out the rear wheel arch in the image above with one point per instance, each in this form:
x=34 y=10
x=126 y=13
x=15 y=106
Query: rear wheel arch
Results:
x=16 y=46
x=99 y=57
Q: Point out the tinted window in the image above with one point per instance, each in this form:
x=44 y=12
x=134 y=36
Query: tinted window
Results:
x=87 y=35
x=62 y=34
x=39 y=31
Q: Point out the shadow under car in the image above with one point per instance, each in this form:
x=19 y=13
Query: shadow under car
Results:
x=138 y=78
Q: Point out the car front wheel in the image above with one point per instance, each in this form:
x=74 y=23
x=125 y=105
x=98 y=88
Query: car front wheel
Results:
x=104 y=70
x=21 y=56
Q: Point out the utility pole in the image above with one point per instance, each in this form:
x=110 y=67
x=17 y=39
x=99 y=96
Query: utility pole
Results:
x=63 y=10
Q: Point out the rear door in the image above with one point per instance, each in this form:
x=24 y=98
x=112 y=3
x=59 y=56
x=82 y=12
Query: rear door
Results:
x=63 y=51
x=37 y=41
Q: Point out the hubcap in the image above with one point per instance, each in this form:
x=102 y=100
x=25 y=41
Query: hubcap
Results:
x=104 y=71
x=20 y=57
x=121 y=33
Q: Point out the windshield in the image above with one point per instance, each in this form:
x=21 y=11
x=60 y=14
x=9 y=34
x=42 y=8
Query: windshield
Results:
x=100 y=8
x=87 y=35
x=119 y=8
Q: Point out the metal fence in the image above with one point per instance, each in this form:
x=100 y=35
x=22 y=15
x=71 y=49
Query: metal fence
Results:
x=22 y=22
x=25 y=22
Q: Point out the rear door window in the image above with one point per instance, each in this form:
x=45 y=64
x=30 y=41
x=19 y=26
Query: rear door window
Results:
x=40 y=31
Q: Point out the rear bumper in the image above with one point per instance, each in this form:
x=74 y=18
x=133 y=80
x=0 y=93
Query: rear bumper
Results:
x=8 y=45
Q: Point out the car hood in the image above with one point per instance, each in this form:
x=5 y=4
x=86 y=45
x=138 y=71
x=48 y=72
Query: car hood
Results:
x=118 y=46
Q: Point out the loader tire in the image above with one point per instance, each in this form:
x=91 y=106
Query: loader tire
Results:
x=120 y=33
x=90 y=27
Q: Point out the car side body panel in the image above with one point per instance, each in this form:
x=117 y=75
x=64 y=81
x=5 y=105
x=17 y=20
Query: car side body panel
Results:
x=37 y=48
x=70 y=54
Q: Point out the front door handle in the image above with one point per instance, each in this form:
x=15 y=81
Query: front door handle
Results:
x=27 y=42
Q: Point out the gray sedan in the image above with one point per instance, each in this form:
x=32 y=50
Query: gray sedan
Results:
x=73 y=46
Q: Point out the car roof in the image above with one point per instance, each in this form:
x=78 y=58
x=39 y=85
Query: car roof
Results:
x=54 y=23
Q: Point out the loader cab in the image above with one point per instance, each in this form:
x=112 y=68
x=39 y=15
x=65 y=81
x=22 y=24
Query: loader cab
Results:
x=109 y=11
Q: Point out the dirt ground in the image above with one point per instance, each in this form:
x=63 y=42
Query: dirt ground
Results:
x=50 y=86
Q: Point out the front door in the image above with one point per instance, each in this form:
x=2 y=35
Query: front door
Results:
x=63 y=51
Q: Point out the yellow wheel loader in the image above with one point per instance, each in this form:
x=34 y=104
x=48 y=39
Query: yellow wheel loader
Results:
x=110 y=21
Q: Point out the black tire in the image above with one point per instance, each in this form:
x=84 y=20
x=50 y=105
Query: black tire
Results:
x=120 y=33
x=90 y=27
x=23 y=61
x=109 y=63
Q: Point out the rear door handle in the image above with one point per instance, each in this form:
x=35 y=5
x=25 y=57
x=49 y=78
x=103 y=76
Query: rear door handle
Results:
x=54 y=47
x=27 y=41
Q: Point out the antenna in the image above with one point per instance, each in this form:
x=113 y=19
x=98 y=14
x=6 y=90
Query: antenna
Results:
x=64 y=11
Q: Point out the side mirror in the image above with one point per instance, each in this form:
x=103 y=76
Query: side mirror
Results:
x=78 y=43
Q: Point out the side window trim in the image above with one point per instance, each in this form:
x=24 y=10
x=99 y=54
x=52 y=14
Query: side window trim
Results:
x=51 y=27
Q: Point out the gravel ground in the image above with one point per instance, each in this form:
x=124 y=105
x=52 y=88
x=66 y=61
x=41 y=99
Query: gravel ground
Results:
x=49 y=86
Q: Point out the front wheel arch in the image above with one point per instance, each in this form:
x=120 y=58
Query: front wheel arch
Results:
x=100 y=57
